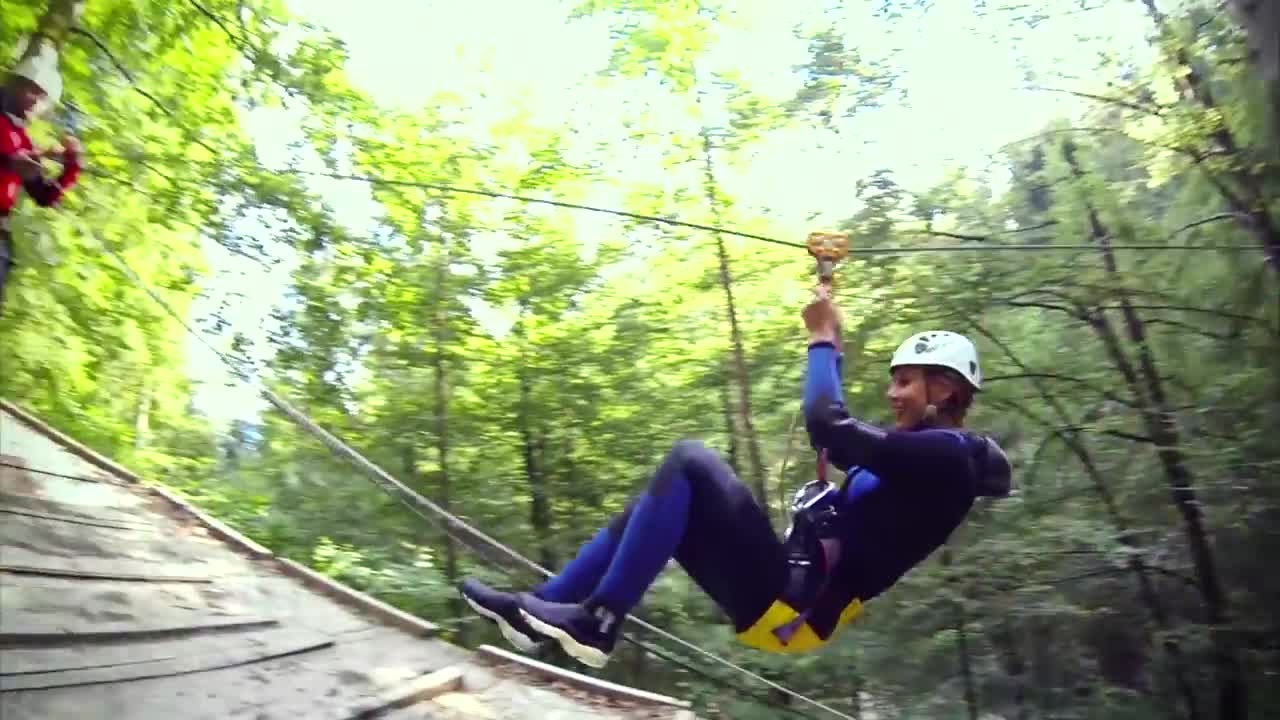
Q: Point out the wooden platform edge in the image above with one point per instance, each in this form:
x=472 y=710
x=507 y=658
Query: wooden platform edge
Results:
x=217 y=659
x=412 y=624
x=72 y=572
x=219 y=529
x=420 y=689
x=84 y=452
x=583 y=681
x=215 y=526
x=335 y=590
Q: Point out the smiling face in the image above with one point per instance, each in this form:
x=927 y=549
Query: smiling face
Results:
x=23 y=96
x=912 y=389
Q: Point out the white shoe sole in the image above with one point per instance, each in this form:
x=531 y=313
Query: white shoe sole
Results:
x=515 y=637
x=584 y=654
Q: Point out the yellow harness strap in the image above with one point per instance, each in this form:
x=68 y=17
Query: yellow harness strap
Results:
x=760 y=635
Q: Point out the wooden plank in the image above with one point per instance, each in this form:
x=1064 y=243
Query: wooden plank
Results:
x=279 y=595
x=583 y=681
x=215 y=526
x=125 y=632
x=68 y=443
x=78 y=520
x=85 y=656
x=86 y=605
x=344 y=594
x=316 y=685
x=244 y=651
x=175 y=553
x=78 y=655
x=72 y=572
x=96 y=513
x=446 y=679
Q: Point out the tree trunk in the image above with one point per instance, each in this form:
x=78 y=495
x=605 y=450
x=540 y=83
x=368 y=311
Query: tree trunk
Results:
x=1261 y=22
x=962 y=644
x=730 y=423
x=1249 y=199
x=855 y=692
x=1005 y=641
x=1147 y=591
x=1148 y=390
x=142 y=423
x=533 y=448
x=440 y=328
x=55 y=26
x=740 y=374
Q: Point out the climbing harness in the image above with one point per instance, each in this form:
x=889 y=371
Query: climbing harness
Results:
x=811 y=541
x=814 y=518
x=812 y=549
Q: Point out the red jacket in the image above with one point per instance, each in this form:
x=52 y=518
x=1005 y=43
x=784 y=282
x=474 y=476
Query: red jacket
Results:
x=14 y=140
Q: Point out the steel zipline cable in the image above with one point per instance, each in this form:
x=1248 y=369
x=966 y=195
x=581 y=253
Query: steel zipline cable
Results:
x=977 y=243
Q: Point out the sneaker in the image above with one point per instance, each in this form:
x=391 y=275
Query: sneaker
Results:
x=504 y=609
x=586 y=635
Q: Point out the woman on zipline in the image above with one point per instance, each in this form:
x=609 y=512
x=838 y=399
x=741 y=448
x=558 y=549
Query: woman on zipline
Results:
x=905 y=491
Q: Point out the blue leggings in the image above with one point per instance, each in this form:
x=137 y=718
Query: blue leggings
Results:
x=696 y=511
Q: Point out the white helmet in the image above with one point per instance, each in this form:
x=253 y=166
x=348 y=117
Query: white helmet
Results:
x=940 y=348
x=41 y=68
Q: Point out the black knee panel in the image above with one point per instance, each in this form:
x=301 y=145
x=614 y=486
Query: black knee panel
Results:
x=683 y=460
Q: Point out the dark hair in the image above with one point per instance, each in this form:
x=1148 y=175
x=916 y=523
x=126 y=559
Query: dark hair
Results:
x=961 y=400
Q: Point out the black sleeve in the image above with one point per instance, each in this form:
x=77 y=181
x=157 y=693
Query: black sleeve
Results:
x=911 y=457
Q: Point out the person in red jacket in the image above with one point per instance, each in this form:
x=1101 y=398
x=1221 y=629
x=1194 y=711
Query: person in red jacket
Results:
x=32 y=86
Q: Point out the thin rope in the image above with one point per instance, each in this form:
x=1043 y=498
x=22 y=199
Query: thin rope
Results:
x=886 y=250
x=667 y=221
x=853 y=250
x=417 y=503
x=977 y=243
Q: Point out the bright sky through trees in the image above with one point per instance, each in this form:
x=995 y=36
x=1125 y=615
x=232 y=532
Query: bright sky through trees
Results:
x=963 y=76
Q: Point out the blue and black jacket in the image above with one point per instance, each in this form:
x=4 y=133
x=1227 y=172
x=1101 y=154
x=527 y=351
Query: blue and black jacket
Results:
x=906 y=491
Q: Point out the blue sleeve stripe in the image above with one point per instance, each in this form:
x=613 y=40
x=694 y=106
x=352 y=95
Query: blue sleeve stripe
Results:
x=822 y=377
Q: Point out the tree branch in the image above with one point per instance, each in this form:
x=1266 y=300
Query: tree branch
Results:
x=1062 y=378
x=235 y=39
x=1046 y=306
x=1152 y=110
x=1211 y=219
x=133 y=83
x=1188 y=308
x=1188 y=327
x=984 y=238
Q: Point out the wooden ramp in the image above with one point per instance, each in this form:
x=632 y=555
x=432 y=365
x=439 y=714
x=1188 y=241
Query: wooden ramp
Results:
x=120 y=601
